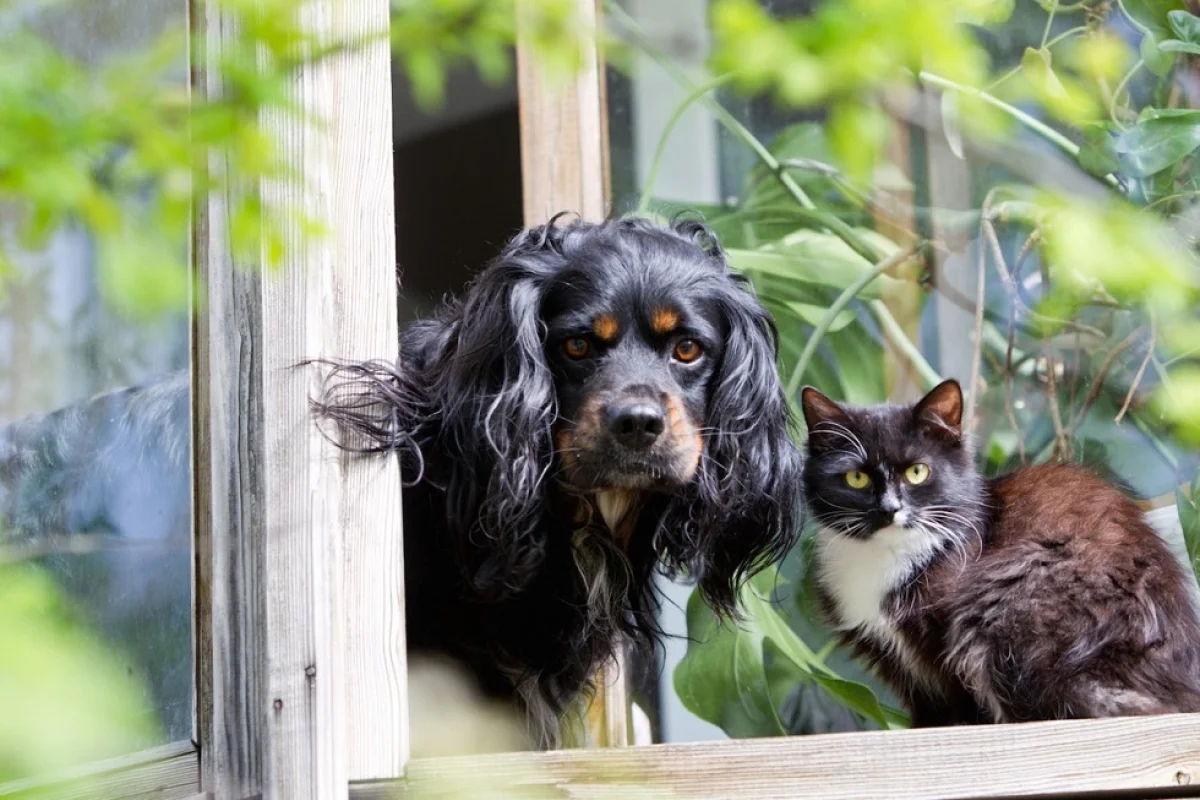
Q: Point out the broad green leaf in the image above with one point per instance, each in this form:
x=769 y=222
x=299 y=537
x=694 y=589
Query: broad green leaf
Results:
x=808 y=269
x=858 y=360
x=725 y=679
x=1188 y=505
x=1157 y=55
x=1158 y=67
x=1159 y=139
x=722 y=678
x=814 y=314
x=1098 y=155
x=815 y=257
x=1185 y=25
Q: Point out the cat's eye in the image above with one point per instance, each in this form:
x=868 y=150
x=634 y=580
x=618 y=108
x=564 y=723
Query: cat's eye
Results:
x=576 y=347
x=858 y=480
x=916 y=474
x=687 y=351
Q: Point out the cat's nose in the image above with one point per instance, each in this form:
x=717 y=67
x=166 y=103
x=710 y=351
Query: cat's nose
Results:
x=889 y=503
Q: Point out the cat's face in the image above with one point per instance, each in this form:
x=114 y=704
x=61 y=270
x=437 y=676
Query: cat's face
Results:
x=904 y=466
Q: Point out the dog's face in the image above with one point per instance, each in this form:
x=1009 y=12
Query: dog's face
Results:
x=633 y=354
x=623 y=362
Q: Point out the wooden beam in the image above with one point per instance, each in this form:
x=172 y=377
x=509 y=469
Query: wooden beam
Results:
x=301 y=673
x=564 y=167
x=564 y=133
x=169 y=772
x=1140 y=757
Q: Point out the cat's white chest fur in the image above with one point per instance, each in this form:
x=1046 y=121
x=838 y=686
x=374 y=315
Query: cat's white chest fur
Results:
x=858 y=575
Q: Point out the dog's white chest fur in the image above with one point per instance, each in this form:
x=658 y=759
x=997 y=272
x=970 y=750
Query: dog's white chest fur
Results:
x=859 y=574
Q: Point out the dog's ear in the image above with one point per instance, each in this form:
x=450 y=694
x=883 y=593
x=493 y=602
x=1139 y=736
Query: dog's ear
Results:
x=494 y=392
x=742 y=511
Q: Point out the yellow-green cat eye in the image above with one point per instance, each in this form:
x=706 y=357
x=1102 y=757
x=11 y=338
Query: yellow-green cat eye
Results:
x=858 y=480
x=917 y=474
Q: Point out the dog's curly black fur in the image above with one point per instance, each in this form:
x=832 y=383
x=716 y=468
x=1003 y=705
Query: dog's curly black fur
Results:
x=617 y=370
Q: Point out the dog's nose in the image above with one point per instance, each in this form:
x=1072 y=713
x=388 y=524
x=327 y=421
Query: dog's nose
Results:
x=636 y=425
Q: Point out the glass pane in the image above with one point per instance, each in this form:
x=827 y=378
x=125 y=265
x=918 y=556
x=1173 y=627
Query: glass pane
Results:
x=95 y=455
x=1080 y=392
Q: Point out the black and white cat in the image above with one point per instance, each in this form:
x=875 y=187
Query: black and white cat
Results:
x=1041 y=594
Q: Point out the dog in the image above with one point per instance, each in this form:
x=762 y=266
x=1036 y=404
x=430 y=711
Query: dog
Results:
x=601 y=401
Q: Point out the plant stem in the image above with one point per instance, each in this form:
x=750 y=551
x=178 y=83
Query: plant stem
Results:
x=1049 y=24
x=899 y=339
x=1133 y=20
x=843 y=300
x=676 y=115
x=1116 y=95
x=1034 y=124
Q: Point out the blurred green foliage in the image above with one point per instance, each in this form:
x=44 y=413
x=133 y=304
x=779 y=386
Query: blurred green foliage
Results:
x=66 y=697
x=124 y=150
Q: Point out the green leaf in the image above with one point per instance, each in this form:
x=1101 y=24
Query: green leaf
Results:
x=725 y=678
x=1157 y=55
x=1185 y=25
x=1187 y=503
x=811 y=257
x=1160 y=139
x=722 y=679
x=814 y=314
x=1098 y=155
x=1169 y=46
x=858 y=360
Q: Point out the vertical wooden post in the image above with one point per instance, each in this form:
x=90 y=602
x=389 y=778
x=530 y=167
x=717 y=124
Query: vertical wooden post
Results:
x=563 y=138
x=301 y=672
x=564 y=167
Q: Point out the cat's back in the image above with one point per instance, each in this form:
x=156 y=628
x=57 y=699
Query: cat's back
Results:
x=1074 y=585
x=1069 y=535
x=1054 y=505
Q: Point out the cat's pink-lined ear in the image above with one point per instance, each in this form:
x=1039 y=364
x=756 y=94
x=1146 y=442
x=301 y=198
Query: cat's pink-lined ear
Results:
x=818 y=408
x=942 y=408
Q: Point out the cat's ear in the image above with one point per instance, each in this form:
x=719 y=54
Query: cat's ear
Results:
x=818 y=408
x=942 y=409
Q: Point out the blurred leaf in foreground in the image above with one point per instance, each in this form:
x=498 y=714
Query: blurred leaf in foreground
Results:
x=65 y=698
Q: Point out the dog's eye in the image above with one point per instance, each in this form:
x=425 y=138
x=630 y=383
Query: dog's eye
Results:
x=576 y=347
x=687 y=350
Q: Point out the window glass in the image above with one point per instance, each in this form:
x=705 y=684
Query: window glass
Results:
x=95 y=454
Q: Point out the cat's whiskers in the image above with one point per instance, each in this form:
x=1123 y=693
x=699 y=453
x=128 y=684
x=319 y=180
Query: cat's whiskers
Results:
x=955 y=539
x=838 y=429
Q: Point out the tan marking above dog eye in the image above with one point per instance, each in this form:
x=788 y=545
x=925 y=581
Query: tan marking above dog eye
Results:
x=664 y=320
x=606 y=327
x=687 y=350
x=576 y=347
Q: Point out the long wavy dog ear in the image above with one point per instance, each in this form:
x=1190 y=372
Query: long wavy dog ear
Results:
x=493 y=390
x=742 y=511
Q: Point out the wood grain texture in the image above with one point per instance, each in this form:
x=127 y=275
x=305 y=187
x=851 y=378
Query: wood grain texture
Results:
x=563 y=134
x=564 y=167
x=170 y=772
x=1140 y=757
x=362 y=205
x=282 y=516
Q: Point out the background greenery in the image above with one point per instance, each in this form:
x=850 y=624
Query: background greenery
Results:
x=1073 y=126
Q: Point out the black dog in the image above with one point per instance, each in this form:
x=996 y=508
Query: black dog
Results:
x=601 y=400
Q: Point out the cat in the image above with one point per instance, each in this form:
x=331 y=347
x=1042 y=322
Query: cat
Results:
x=1040 y=594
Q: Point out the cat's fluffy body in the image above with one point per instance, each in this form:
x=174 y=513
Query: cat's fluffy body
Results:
x=1042 y=594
